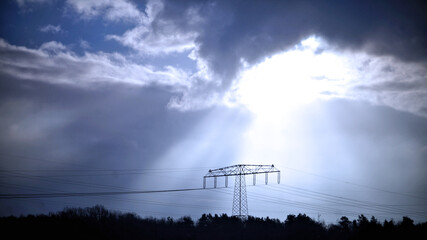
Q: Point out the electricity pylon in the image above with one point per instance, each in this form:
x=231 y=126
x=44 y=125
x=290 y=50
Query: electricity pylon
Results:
x=240 y=201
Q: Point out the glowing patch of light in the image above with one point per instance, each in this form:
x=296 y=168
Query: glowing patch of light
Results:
x=290 y=79
x=275 y=88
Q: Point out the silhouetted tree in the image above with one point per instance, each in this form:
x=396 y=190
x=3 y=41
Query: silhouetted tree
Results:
x=99 y=223
x=345 y=223
x=303 y=227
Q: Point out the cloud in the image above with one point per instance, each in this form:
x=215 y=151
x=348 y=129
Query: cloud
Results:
x=227 y=32
x=395 y=86
x=156 y=35
x=299 y=76
x=46 y=111
x=147 y=41
x=227 y=35
x=151 y=35
x=26 y=122
x=51 y=28
x=112 y=10
x=116 y=127
x=84 y=44
x=388 y=81
x=55 y=64
x=252 y=30
x=224 y=37
x=52 y=47
x=403 y=95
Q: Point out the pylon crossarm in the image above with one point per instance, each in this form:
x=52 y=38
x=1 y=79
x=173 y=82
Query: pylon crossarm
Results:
x=241 y=169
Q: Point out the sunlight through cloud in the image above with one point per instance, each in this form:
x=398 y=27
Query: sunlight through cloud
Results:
x=290 y=79
x=275 y=89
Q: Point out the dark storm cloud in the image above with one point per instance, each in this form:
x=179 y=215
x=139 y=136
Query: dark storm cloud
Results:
x=111 y=126
x=101 y=126
x=50 y=127
x=224 y=36
x=251 y=30
x=95 y=118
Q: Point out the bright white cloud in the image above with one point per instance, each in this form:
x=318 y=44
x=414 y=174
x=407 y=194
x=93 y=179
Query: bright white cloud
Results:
x=113 y=10
x=147 y=41
x=52 y=47
x=279 y=89
x=304 y=74
x=276 y=90
x=158 y=36
x=290 y=79
x=54 y=63
x=150 y=36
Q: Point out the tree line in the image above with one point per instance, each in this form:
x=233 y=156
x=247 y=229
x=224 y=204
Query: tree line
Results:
x=99 y=223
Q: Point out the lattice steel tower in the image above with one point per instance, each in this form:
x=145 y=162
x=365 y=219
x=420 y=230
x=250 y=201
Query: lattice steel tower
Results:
x=240 y=200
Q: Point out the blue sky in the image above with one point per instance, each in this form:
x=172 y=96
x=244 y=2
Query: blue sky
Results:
x=28 y=22
x=102 y=95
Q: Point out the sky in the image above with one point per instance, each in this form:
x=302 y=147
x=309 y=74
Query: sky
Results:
x=121 y=95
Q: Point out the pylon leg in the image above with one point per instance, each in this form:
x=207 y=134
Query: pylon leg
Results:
x=240 y=201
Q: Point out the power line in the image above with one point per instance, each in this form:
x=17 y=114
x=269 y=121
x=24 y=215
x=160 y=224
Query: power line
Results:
x=355 y=184
x=140 y=202
x=90 y=194
x=48 y=175
x=87 y=168
x=337 y=200
x=288 y=203
x=143 y=170
x=70 y=182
